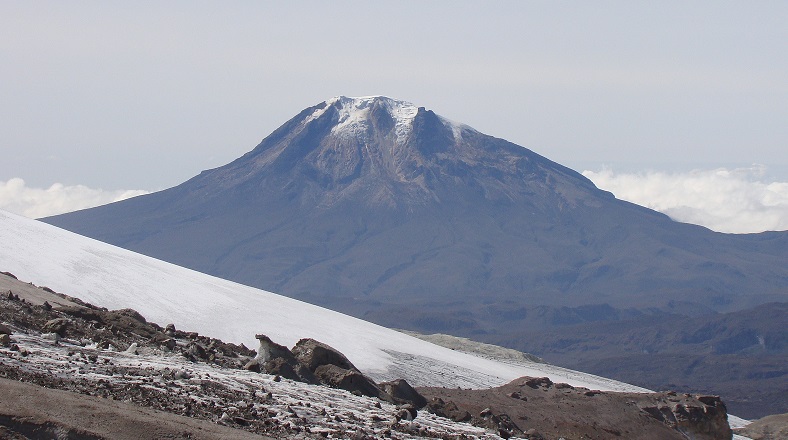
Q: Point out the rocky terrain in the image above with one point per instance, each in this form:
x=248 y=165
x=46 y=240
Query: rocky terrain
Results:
x=29 y=411
x=117 y=355
x=538 y=408
x=142 y=380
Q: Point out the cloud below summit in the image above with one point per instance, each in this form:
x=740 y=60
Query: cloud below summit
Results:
x=17 y=197
x=724 y=200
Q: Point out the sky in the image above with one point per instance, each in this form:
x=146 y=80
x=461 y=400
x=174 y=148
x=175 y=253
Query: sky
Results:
x=103 y=100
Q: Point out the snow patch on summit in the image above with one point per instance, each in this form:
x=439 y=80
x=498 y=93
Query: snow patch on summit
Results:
x=354 y=116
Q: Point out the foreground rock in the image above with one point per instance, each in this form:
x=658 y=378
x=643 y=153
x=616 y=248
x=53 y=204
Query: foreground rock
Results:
x=38 y=412
x=332 y=368
x=537 y=408
x=117 y=356
x=314 y=362
x=120 y=356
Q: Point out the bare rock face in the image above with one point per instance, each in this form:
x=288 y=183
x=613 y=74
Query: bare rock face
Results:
x=276 y=359
x=702 y=417
x=538 y=408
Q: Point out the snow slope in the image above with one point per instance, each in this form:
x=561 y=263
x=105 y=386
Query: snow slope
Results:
x=115 y=278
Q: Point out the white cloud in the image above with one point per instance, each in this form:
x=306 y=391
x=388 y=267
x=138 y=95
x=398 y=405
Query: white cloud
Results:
x=18 y=198
x=724 y=200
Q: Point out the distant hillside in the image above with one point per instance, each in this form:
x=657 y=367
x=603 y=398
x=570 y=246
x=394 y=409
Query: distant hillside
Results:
x=743 y=356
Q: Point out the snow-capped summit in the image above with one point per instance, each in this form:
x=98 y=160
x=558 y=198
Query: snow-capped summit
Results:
x=356 y=116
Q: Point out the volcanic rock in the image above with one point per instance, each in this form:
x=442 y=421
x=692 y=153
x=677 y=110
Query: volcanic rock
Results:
x=312 y=354
x=276 y=359
x=57 y=325
x=400 y=389
x=350 y=380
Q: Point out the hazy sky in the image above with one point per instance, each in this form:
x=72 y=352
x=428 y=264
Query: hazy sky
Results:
x=144 y=95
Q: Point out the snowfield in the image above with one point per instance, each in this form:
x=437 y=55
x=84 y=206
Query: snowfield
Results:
x=115 y=278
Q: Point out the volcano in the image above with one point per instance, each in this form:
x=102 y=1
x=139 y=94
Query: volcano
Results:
x=387 y=211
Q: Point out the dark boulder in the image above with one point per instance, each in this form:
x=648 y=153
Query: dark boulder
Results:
x=401 y=390
x=500 y=422
x=57 y=325
x=313 y=354
x=332 y=368
x=349 y=380
x=84 y=313
x=448 y=410
x=536 y=382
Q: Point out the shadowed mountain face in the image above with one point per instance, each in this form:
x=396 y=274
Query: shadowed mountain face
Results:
x=741 y=356
x=390 y=212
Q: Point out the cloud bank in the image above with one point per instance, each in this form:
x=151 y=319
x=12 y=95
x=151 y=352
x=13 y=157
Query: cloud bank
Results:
x=18 y=198
x=724 y=200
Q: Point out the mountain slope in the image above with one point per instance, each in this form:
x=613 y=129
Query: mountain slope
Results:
x=116 y=278
x=384 y=210
x=741 y=356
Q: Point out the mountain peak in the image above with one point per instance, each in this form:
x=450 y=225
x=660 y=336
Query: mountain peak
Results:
x=379 y=151
x=358 y=116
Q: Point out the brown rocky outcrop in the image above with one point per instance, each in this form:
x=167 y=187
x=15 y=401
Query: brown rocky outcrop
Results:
x=538 y=408
x=448 y=410
x=313 y=354
x=314 y=362
x=704 y=417
x=332 y=368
